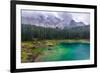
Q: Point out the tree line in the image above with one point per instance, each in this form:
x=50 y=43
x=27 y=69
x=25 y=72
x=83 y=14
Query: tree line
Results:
x=32 y=32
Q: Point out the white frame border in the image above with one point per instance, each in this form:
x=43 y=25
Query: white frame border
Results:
x=20 y=65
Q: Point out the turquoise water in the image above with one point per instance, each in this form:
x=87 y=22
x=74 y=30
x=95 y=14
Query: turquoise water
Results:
x=66 y=52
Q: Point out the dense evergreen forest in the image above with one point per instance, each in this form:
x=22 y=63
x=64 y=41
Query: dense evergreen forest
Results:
x=32 y=32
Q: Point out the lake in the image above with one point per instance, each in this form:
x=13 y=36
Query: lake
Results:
x=66 y=52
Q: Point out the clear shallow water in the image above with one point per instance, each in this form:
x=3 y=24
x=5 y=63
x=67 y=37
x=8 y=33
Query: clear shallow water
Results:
x=67 y=51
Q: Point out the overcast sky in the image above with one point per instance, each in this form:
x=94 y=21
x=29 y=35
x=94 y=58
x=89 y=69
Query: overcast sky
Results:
x=78 y=17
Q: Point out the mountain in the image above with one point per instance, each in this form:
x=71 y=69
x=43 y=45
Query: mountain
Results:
x=60 y=20
x=73 y=23
x=48 y=20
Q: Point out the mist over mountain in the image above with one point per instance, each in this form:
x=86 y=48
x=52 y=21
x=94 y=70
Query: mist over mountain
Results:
x=50 y=19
